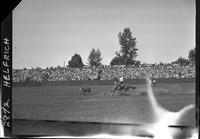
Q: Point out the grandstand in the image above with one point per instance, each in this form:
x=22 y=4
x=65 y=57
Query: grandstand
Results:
x=107 y=72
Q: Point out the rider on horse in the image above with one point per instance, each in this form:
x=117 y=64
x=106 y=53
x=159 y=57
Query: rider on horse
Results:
x=120 y=85
x=119 y=82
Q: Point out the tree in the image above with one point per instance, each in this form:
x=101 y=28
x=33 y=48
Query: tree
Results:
x=137 y=63
x=94 y=58
x=161 y=63
x=76 y=61
x=117 y=60
x=128 y=51
x=192 y=55
x=182 y=61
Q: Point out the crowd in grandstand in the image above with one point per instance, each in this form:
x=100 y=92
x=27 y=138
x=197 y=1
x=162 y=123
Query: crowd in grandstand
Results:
x=107 y=72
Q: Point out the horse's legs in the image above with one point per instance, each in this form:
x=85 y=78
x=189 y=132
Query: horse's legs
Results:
x=113 y=91
x=127 y=88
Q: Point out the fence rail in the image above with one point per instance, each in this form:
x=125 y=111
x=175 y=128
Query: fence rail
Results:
x=99 y=82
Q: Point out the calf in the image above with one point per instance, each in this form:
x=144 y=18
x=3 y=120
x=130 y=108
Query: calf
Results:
x=85 y=90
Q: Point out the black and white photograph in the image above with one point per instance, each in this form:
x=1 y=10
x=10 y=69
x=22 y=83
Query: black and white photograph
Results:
x=102 y=69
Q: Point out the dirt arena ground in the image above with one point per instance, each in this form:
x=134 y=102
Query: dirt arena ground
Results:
x=32 y=105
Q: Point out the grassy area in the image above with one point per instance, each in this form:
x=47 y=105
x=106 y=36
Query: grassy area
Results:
x=66 y=103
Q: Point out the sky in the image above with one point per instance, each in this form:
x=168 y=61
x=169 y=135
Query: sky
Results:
x=48 y=32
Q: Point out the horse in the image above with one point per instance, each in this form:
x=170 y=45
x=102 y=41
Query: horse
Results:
x=85 y=90
x=121 y=86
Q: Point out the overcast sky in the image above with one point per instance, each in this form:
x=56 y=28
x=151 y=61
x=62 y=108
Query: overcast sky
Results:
x=48 y=32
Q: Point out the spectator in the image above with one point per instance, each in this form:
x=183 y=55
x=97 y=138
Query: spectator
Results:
x=104 y=72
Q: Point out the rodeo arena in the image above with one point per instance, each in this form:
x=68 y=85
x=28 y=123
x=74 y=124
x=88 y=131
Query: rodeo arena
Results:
x=106 y=101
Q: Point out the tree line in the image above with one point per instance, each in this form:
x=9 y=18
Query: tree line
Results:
x=125 y=56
